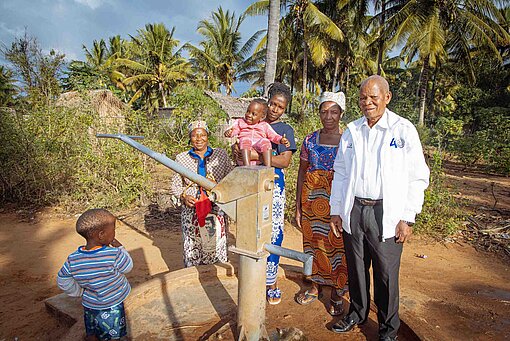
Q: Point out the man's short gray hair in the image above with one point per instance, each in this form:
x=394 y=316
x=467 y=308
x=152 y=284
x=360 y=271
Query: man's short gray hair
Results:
x=380 y=80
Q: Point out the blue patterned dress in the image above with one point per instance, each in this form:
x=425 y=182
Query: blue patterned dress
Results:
x=278 y=200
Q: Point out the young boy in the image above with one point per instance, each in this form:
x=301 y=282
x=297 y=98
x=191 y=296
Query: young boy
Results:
x=96 y=273
x=254 y=133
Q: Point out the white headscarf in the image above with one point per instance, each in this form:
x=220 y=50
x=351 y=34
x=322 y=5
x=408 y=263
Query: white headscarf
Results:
x=337 y=97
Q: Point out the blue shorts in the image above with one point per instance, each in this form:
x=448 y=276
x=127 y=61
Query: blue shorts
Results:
x=106 y=324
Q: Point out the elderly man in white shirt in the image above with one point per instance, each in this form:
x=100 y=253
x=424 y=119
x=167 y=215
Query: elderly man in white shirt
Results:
x=377 y=190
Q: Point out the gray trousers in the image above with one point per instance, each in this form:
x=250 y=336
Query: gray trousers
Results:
x=363 y=247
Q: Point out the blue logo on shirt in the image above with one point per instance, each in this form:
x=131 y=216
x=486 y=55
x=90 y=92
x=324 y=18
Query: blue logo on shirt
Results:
x=397 y=143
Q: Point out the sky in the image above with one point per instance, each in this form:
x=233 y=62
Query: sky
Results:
x=66 y=25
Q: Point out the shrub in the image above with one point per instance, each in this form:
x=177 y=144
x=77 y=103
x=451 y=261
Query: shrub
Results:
x=190 y=104
x=51 y=156
x=490 y=143
x=440 y=216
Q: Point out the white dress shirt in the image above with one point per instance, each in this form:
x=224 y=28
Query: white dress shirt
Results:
x=369 y=185
x=403 y=171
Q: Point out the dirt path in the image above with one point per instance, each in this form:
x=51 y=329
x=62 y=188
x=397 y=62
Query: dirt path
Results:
x=456 y=292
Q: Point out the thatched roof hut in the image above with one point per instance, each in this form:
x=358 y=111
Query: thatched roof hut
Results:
x=235 y=107
x=110 y=109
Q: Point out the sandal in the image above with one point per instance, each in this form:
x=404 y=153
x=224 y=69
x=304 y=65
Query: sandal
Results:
x=274 y=296
x=307 y=297
x=336 y=307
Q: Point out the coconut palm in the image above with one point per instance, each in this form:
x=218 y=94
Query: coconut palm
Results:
x=272 y=38
x=272 y=43
x=221 y=59
x=310 y=26
x=97 y=70
x=435 y=30
x=154 y=67
x=313 y=26
x=97 y=55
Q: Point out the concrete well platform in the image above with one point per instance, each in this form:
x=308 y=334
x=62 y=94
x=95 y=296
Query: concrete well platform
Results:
x=187 y=304
x=200 y=303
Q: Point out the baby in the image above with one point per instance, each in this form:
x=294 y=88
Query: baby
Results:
x=96 y=273
x=253 y=133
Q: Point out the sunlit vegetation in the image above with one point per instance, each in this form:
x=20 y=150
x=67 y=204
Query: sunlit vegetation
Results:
x=448 y=64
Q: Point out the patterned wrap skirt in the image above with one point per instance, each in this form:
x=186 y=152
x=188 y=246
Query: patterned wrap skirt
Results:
x=329 y=262
x=203 y=245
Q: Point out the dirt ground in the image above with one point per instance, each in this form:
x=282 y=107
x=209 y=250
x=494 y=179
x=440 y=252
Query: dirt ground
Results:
x=458 y=292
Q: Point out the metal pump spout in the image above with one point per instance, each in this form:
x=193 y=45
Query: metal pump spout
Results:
x=162 y=158
x=306 y=259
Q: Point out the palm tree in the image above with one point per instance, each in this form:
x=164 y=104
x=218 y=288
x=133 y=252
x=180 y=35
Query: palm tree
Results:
x=97 y=70
x=313 y=26
x=221 y=59
x=273 y=30
x=7 y=87
x=154 y=68
x=310 y=26
x=272 y=43
x=436 y=30
x=96 y=56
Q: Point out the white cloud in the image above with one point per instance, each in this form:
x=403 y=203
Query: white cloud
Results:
x=12 y=31
x=93 y=4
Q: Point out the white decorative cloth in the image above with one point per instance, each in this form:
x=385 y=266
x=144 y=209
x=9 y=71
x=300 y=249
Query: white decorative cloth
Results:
x=337 y=97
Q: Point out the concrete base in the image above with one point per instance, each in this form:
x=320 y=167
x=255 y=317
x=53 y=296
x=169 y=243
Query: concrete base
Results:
x=192 y=304
x=200 y=303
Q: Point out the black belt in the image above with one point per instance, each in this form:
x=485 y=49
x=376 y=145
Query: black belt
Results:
x=368 y=202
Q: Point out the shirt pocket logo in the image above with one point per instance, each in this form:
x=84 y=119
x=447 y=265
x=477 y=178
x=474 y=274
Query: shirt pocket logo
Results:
x=397 y=142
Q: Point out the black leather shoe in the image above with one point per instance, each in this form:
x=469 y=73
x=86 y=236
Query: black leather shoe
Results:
x=344 y=325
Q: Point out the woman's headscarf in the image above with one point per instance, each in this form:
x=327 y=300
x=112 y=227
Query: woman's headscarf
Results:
x=337 y=97
x=197 y=124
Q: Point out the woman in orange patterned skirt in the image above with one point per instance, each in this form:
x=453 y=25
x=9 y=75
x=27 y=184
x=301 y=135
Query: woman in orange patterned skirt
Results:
x=318 y=153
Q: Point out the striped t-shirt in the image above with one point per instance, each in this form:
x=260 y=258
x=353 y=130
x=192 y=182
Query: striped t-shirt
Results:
x=98 y=275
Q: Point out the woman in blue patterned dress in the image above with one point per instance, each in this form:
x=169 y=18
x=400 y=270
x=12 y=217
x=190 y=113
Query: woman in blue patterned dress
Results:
x=279 y=98
x=313 y=190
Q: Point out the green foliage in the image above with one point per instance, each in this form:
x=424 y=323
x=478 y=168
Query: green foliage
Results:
x=39 y=72
x=446 y=131
x=221 y=59
x=190 y=103
x=153 y=69
x=310 y=123
x=252 y=92
x=7 y=88
x=441 y=215
x=50 y=155
x=490 y=144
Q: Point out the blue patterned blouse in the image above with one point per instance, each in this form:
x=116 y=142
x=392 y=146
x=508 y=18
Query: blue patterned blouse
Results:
x=319 y=156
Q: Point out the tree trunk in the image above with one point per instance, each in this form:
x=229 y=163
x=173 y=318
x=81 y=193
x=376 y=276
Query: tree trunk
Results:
x=424 y=78
x=289 y=108
x=381 y=42
x=335 y=75
x=272 y=43
x=305 y=72
x=347 y=70
x=433 y=91
x=162 y=94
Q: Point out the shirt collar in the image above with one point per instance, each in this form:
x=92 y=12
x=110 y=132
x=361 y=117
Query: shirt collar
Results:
x=208 y=153
x=382 y=123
